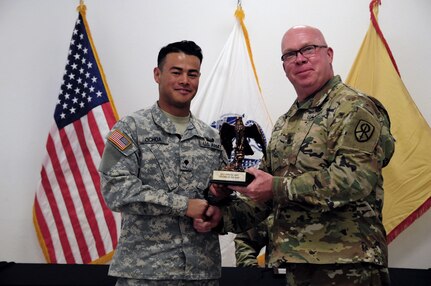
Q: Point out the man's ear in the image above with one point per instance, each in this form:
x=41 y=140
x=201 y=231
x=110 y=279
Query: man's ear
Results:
x=330 y=53
x=157 y=73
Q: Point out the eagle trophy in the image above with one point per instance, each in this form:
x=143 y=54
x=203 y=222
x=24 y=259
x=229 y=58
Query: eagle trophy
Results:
x=241 y=134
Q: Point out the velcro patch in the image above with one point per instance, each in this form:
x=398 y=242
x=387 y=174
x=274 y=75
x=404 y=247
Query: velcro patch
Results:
x=364 y=131
x=119 y=140
x=209 y=144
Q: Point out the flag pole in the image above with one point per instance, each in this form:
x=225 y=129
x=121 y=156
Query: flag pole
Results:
x=82 y=9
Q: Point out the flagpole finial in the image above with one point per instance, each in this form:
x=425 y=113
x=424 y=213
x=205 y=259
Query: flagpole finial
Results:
x=81 y=8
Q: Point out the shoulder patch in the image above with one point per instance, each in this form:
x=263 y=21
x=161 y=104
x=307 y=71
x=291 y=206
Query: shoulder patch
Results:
x=364 y=131
x=119 y=139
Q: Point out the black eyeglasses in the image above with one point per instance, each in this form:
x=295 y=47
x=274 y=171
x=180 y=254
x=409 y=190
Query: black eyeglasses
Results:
x=306 y=51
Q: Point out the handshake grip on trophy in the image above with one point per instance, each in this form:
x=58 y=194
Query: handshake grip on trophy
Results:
x=234 y=173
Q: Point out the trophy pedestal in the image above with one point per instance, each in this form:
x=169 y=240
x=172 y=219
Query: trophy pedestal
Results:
x=235 y=178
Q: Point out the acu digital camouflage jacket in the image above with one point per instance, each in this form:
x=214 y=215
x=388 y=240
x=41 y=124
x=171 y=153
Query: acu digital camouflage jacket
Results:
x=148 y=173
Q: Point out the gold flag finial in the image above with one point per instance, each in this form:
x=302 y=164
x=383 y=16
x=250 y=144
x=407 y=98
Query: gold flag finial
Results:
x=81 y=8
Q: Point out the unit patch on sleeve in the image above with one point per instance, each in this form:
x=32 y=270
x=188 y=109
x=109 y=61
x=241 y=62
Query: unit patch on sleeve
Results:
x=364 y=131
x=119 y=140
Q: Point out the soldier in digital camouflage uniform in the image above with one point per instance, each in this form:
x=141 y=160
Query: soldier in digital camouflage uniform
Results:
x=155 y=167
x=322 y=176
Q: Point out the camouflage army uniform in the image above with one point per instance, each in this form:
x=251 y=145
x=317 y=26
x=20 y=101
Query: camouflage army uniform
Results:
x=326 y=155
x=248 y=244
x=148 y=173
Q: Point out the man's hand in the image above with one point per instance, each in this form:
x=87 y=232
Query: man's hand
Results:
x=196 y=208
x=260 y=189
x=220 y=191
x=213 y=216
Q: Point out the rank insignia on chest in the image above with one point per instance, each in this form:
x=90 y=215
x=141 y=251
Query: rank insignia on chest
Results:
x=186 y=165
x=119 y=140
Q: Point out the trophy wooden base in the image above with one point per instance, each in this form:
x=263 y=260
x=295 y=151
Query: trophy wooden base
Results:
x=233 y=178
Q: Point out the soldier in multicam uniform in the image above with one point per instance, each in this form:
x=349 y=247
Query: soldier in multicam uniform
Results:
x=322 y=176
x=249 y=245
x=155 y=169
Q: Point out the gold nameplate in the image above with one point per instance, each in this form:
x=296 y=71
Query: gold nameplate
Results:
x=231 y=178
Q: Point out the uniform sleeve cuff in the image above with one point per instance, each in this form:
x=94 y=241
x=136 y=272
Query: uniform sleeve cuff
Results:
x=180 y=205
x=280 y=189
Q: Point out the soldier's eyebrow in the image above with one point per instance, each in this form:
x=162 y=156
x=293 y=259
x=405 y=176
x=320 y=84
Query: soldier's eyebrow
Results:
x=176 y=68
x=181 y=70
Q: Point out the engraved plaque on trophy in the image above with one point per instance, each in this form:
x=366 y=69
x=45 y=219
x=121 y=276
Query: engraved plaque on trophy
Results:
x=233 y=173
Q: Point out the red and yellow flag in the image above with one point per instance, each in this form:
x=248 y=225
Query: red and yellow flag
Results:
x=407 y=179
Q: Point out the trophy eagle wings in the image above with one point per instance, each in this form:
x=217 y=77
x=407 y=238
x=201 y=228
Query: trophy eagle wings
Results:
x=241 y=133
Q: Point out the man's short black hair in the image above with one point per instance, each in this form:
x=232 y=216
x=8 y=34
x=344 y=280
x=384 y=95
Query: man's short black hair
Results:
x=187 y=47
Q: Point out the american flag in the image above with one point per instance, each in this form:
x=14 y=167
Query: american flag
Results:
x=72 y=221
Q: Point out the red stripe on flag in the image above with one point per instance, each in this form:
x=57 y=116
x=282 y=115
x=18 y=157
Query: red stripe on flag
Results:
x=89 y=211
x=107 y=213
x=83 y=195
x=375 y=3
x=61 y=230
x=109 y=114
x=95 y=133
x=65 y=191
x=43 y=227
x=408 y=220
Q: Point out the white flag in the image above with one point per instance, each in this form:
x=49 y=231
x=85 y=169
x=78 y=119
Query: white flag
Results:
x=233 y=90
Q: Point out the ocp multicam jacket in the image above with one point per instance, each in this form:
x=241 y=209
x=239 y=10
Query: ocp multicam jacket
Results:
x=326 y=155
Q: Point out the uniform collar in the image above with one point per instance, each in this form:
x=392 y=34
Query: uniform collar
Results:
x=320 y=96
x=168 y=126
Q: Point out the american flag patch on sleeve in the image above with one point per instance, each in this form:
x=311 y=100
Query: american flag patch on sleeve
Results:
x=119 y=140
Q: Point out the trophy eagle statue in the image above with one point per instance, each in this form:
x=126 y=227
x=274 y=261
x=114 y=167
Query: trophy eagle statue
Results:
x=241 y=134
